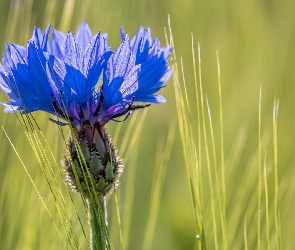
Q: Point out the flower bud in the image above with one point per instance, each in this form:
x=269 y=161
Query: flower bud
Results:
x=92 y=165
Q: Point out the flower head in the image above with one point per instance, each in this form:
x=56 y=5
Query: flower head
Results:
x=81 y=80
x=62 y=76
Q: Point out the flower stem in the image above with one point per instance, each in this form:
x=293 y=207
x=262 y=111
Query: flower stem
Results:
x=97 y=223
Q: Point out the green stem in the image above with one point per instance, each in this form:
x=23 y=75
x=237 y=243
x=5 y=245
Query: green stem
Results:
x=97 y=223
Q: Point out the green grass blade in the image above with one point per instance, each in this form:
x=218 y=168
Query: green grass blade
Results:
x=276 y=198
x=266 y=204
x=223 y=184
x=259 y=173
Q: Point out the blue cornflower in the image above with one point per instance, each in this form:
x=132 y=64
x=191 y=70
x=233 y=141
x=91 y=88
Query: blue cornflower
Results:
x=61 y=76
x=81 y=80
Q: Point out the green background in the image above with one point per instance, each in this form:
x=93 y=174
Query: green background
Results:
x=255 y=43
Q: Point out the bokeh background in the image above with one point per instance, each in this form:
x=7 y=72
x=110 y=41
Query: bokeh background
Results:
x=255 y=43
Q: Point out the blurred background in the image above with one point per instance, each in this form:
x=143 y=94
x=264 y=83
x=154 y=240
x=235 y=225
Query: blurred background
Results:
x=255 y=43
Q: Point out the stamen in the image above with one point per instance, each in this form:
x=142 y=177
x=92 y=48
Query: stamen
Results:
x=98 y=105
x=58 y=110
x=129 y=110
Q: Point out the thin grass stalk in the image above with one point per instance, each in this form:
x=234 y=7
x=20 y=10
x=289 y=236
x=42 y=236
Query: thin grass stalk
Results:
x=55 y=190
x=259 y=172
x=183 y=128
x=199 y=166
x=198 y=116
x=58 y=196
x=194 y=162
x=189 y=150
x=207 y=152
x=219 y=190
x=266 y=204
x=276 y=198
x=157 y=186
x=35 y=187
x=224 y=229
x=47 y=163
x=245 y=234
x=119 y=219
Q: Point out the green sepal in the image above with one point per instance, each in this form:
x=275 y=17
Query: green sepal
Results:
x=95 y=165
x=89 y=179
x=85 y=150
x=109 y=173
x=99 y=143
x=100 y=185
x=77 y=169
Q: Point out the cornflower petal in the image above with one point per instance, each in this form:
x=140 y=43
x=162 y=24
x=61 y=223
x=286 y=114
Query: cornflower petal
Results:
x=83 y=35
x=56 y=43
x=72 y=51
x=40 y=38
x=117 y=68
x=95 y=57
x=38 y=71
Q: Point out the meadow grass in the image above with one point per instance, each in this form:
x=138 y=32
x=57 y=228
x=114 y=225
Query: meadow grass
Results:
x=222 y=130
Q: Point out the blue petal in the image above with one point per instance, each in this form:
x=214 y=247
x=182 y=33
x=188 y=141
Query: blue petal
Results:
x=9 y=107
x=83 y=35
x=58 y=122
x=151 y=99
x=43 y=84
x=122 y=33
x=130 y=83
x=72 y=51
x=69 y=79
x=94 y=60
x=21 y=50
x=40 y=39
x=141 y=43
x=23 y=87
x=19 y=67
x=3 y=81
x=56 y=44
x=118 y=67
